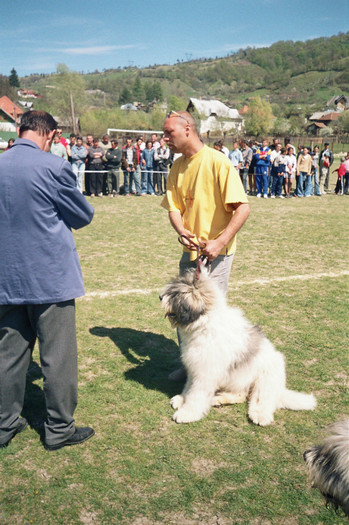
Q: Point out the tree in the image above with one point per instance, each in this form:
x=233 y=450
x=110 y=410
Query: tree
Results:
x=157 y=92
x=137 y=90
x=259 y=119
x=6 y=88
x=13 y=78
x=67 y=98
x=343 y=123
x=125 y=96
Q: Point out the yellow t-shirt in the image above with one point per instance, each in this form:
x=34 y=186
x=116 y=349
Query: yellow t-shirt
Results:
x=201 y=188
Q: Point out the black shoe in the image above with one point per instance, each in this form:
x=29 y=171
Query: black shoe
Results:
x=81 y=434
x=22 y=425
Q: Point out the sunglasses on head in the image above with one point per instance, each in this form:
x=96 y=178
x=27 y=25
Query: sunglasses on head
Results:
x=175 y=114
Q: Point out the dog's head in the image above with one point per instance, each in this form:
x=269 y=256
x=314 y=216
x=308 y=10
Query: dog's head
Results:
x=328 y=466
x=186 y=298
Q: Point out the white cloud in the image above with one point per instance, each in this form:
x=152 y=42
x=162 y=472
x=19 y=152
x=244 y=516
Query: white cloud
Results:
x=95 y=50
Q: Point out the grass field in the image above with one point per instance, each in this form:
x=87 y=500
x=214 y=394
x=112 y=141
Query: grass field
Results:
x=290 y=275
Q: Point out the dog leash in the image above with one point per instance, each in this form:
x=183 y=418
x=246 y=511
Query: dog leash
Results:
x=195 y=247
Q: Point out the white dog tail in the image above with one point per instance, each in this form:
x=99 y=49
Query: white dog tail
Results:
x=297 y=400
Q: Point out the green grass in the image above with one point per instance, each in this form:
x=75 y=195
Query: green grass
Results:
x=141 y=468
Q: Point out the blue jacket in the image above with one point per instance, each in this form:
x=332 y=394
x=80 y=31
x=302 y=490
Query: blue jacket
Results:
x=39 y=204
x=148 y=156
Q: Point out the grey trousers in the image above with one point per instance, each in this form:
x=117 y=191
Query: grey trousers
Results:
x=54 y=327
x=220 y=269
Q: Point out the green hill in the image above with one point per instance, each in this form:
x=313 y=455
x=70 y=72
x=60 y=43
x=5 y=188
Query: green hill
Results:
x=300 y=72
x=296 y=77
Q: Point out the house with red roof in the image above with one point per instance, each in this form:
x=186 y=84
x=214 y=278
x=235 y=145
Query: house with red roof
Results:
x=10 y=114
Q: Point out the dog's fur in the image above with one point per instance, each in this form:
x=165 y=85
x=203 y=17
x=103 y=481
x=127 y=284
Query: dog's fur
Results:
x=328 y=466
x=227 y=360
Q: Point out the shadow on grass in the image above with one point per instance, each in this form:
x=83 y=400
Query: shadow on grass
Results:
x=34 y=408
x=153 y=355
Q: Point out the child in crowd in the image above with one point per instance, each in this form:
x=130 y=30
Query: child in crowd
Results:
x=278 y=178
x=291 y=162
x=339 y=190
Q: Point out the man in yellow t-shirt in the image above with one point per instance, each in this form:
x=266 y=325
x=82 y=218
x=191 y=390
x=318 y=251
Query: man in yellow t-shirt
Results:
x=205 y=197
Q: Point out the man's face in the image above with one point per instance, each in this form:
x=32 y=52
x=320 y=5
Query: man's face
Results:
x=56 y=139
x=129 y=143
x=154 y=138
x=106 y=139
x=113 y=145
x=175 y=134
x=89 y=139
x=265 y=143
x=235 y=145
x=79 y=143
x=95 y=143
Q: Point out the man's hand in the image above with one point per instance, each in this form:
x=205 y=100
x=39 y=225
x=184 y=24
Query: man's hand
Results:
x=211 y=248
x=188 y=234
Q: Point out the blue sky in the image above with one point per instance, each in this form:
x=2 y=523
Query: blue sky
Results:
x=89 y=35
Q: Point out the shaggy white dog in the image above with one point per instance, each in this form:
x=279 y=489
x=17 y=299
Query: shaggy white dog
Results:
x=227 y=359
x=328 y=466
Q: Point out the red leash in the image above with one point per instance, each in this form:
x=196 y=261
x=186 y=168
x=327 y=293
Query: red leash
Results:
x=194 y=247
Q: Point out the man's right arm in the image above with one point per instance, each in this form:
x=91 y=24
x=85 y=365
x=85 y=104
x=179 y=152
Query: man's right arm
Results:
x=177 y=224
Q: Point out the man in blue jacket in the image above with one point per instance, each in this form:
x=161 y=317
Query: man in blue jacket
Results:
x=40 y=277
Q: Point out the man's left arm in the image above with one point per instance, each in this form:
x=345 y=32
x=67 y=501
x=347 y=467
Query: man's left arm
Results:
x=240 y=213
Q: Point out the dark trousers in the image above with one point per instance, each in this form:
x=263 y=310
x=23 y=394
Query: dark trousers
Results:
x=54 y=327
x=96 y=179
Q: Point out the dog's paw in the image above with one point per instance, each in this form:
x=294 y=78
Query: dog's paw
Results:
x=186 y=416
x=177 y=401
x=263 y=420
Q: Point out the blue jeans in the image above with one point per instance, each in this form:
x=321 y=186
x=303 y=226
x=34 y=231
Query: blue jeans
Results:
x=316 y=182
x=147 y=182
x=308 y=185
x=130 y=176
x=300 y=182
x=79 y=170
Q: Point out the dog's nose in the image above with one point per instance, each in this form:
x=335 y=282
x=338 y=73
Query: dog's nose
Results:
x=160 y=297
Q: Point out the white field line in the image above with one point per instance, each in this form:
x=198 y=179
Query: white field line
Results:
x=235 y=285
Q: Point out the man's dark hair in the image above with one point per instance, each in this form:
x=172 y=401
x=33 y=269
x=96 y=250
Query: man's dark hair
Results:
x=38 y=121
x=115 y=141
x=78 y=137
x=72 y=135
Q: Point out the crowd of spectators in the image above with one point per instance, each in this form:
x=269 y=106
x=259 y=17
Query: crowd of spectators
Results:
x=97 y=164
x=267 y=170
x=271 y=170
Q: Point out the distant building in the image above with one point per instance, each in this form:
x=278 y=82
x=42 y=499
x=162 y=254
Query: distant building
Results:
x=128 y=107
x=340 y=102
x=10 y=114
x=322 y=119
x=27 y=93
x=215 y=116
